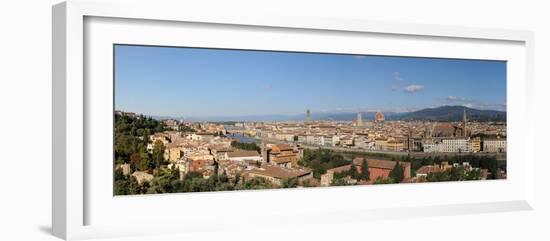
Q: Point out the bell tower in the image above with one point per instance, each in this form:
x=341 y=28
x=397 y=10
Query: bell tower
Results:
x=359 y=119
x=465 y=124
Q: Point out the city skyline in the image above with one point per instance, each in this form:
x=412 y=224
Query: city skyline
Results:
x=192 y=82
x=230 y=120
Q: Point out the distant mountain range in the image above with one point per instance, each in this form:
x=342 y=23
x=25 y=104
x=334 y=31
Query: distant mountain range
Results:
x=454 y=113
x=442 y=113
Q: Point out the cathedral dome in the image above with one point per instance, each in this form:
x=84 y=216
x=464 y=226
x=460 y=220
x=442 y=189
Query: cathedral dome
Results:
x=379 y=117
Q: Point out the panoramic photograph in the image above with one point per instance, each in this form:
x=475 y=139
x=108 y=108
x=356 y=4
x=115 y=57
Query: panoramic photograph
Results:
x=205 y=120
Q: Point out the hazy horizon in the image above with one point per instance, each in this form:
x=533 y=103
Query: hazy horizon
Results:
x=367 y=115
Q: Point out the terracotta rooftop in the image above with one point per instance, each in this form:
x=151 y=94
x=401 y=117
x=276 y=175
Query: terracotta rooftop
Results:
x=242 y=153
x=281 y=147
x=279 y=161
x=428 y=169
x=374 y=163
x=340 y=169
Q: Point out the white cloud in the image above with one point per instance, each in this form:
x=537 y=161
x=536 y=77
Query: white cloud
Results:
x=455 y=98
x=359 y=56
x=413 y=88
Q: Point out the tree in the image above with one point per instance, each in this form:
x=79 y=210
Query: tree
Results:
x=135 y=160
x=131 y=131
x=365 y=175
x=320 y=160
x=146 y=163
x=340 y=182
x=119 y=174
x=145 y=185
x=167 y=180
x=121 y=187
x=246 y=146
x=438 y=177
x=381 y=180
x=353 y=172
x=237 y=179
x=256 y=183
x=289 y=182
x=473 y=175
x=125 y=185
x=185 y=128
x=158 y=153
x=397 y=173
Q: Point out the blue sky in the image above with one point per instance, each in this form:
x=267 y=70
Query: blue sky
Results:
x=192 y=82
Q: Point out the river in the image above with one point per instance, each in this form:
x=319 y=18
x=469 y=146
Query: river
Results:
x=243 y=138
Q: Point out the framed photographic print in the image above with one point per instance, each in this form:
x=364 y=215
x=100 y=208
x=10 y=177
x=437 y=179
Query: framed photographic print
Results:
x=296 y=119
x=220 y=120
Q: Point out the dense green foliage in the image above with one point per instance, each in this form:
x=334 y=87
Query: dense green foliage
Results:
x=131 y=139
x=381 y=180
x=353 y=173
x=128 y=185
x=477 y=161
x=320 y=160
x=365 y=175
x=289 y=182
x=246 y=146
x=483 y=162
x=255 y=183
x=340 y=181
x=168 y=181
x=397 y=173
x=158 y=153
x=489 y=162
x=454 y=174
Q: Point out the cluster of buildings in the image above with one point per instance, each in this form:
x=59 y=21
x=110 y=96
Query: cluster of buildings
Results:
x=207 y=149
x=465 y=144
x=273 y=162
x=382 y=135
x=208 y=153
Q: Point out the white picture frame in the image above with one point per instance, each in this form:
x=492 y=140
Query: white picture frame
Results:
x=72 y=108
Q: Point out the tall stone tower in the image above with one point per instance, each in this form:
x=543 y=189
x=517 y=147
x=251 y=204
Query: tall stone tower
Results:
x=264 y=151
x=465 y=124
x=308 y=116
x=359 y=119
